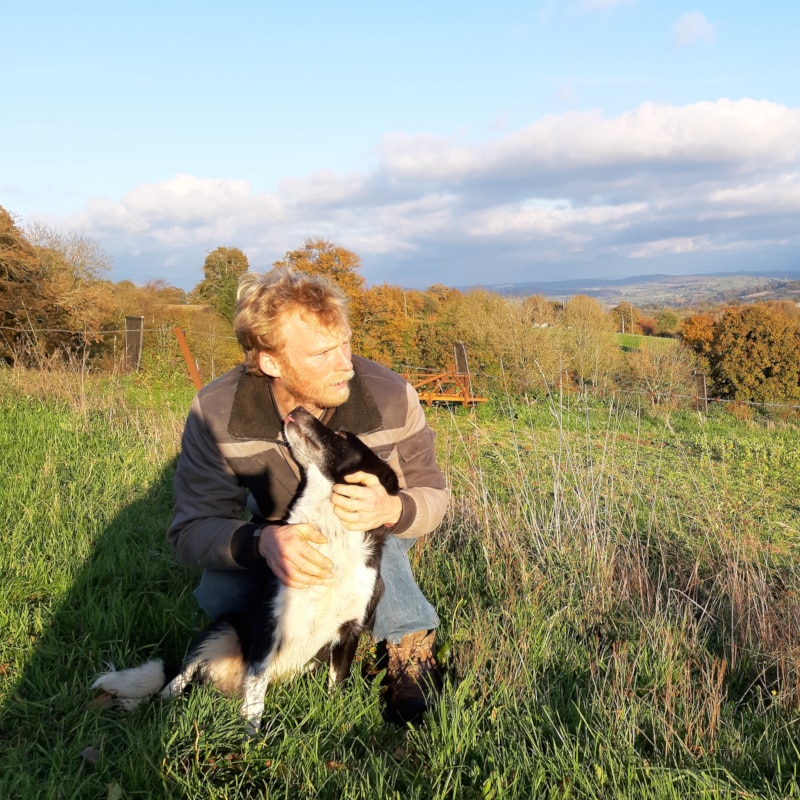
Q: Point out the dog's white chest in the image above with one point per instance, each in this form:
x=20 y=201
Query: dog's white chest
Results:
x=311 y=618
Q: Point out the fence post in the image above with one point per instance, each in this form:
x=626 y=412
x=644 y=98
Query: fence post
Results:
x=700 y=392
x=188 y=358
x=134 y=339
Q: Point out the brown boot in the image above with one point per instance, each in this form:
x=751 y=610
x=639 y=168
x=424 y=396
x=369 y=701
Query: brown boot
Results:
x=413 y=678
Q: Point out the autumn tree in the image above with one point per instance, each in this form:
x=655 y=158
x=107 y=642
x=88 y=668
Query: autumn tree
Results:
x=697 y=333
x=156 y=300
x=387 y=327
x=19 y=290
x=664 y=372
x=86 y=259
x=79 y=299
x=785 y=307
x=538 y=311
x=647 y=326
x=503 y=348
x=337 y=264
x=667 y=322
x=589 y=340
x=322 y=257
x=755 y=355
x=417 y=304
x=222 y=269
x=442 y=293
x=53 y=297
x=626 y=317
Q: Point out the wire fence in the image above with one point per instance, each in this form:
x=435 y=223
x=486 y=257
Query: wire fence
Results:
x=697 y=401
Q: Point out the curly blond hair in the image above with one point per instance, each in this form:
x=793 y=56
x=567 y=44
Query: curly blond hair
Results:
x=264 y=298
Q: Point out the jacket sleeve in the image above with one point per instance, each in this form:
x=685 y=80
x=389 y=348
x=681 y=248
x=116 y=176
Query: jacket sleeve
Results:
x=424 y=492
x=208 y=524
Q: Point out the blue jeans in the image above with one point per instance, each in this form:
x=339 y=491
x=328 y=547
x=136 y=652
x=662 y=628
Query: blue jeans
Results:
x=402 y=609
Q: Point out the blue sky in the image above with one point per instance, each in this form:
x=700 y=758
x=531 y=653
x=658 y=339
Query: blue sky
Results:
x=460 y=143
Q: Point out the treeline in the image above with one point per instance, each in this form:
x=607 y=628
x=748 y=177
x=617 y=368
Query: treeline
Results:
x=58 y=304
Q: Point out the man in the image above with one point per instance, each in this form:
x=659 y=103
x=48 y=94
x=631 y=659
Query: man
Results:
x=295 y=334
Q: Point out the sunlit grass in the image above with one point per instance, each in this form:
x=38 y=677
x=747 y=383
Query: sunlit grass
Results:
x=633 y=341
x=618 y=592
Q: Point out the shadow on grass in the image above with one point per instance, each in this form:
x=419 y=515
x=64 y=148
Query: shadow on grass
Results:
x=128 y=600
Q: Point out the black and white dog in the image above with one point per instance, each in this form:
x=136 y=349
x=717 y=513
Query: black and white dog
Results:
x=289 y=630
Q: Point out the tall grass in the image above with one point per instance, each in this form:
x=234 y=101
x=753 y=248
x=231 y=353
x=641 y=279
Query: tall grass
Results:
x=668 y=575
x=618 y=591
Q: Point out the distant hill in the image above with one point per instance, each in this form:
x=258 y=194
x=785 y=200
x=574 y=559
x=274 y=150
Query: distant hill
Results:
x=676 y=291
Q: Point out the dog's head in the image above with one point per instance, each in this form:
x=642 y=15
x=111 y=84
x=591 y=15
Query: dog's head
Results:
x=333 y=454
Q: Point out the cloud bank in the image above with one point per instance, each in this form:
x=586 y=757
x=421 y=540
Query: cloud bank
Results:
x=707 y=186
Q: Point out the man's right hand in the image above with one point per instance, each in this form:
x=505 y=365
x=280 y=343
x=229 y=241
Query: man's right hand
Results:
x=291 y=557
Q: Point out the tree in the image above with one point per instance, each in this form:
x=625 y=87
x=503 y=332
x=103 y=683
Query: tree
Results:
x=626 y=317
x=78 y=301
x=85 y=258
x=538 y=311
x=755 y=355
x=589 y=340
x=52 y=299
x=667 y=322
x=19 y=268
x=156 y=301
x=501 y=343
x=697 y=333
x=647 y=326
x=222 y=269
x=337 y=264
x=664 y=372
x=321 y=257
x=785 y=307
x=386 y=329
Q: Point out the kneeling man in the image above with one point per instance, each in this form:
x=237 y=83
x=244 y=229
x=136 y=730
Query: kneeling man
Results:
x=234 y=463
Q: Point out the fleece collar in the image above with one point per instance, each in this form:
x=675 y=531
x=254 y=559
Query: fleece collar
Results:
x=254 y=414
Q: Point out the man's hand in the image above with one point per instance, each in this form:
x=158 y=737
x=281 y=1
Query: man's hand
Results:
x=363 y=504
x=291 y=557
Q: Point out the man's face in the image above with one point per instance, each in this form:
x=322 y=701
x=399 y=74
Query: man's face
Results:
x=313 y=367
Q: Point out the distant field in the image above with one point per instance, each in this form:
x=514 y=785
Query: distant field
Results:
x=670 y=291
x=619 y=592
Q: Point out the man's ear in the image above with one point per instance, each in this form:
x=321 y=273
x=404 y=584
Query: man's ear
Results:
x=268 y=365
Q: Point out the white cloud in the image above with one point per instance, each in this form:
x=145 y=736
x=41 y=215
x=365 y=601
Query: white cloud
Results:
x=782 y=193
x=538 y=220
x=584 y=146
x=692 y=27
x=655 y=182
x=679 y=245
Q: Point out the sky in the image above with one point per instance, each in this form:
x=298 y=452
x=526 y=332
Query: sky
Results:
x=462 y=143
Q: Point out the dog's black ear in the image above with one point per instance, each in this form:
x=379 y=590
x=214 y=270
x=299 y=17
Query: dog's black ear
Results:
x=372 y=463
x=388 y=479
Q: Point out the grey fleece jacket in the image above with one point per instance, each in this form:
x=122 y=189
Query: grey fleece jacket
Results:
x=233 y=447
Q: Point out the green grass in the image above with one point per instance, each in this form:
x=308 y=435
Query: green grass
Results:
x=633 y=341
x=618 y=590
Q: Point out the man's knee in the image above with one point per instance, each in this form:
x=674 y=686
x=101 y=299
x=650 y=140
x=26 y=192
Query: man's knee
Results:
x=227 y=591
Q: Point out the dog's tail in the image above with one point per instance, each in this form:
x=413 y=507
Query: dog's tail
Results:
x=129 y=687
x=216 y=657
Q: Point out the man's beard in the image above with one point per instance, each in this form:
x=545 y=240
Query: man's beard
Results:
x=329 y=395
x=335 y=394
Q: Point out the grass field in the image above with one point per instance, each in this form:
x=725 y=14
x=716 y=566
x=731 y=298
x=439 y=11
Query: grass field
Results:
x=619 y=593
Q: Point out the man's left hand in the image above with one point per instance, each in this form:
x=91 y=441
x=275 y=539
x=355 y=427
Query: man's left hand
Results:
x=363 y=504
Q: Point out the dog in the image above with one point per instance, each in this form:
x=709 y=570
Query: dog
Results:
x=287 y=631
